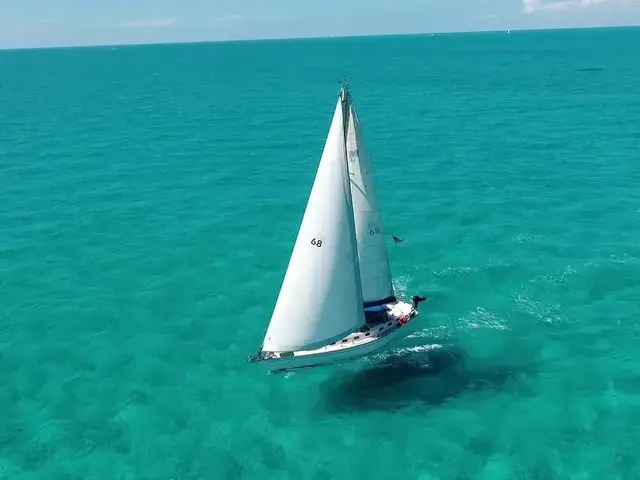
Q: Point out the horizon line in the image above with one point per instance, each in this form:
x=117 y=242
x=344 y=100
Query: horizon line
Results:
x=319 y=37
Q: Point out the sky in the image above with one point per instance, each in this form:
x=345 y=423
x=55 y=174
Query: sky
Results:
x=43 y=23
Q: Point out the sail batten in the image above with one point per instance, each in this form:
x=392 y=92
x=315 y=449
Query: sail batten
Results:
x=320 y=300
x=375 y=271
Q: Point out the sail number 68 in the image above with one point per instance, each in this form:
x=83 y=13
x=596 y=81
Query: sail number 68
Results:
x=316 y=243
x=374 y=231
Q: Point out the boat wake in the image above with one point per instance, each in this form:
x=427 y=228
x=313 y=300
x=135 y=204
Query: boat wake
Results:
x=401 y=286
x=410 y=353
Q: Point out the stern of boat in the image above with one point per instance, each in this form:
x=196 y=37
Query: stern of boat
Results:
x=404 y=312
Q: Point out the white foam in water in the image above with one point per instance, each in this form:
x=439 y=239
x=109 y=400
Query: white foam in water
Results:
x=545 y=313
x=453 y=271
x=483 y=318
x=441 y=331
x=401 y=286
x=398 y=352
x=420 y=348
x=556 y=278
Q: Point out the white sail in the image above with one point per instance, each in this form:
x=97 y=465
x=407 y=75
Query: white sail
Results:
x=375 y=272
x=320 y=300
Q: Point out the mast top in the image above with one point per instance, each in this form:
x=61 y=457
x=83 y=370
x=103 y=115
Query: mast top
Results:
x=344 y=90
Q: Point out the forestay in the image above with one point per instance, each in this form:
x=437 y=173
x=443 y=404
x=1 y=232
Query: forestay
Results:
x=375 y=272
x=320 y=300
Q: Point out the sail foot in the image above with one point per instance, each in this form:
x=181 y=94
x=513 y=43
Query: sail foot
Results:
x=383 y=301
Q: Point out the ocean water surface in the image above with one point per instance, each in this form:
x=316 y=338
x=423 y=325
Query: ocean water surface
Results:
x=149 y=200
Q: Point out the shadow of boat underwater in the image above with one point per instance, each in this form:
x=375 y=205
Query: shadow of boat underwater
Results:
x=423 y=377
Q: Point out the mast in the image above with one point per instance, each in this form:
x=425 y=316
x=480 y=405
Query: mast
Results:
x=345 y=96
x=347 y=106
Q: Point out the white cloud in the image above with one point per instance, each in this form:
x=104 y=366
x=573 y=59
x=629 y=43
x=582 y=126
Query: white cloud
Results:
x=489 y=16
x=534 y=6
x=226 y=19
x=149 y=23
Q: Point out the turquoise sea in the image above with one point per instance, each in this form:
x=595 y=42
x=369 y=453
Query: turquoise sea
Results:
x=149 y=200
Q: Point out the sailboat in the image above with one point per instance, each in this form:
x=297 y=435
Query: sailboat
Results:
x=337 y=302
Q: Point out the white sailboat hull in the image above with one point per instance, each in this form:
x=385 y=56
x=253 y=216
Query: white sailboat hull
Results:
x=355 y=345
